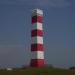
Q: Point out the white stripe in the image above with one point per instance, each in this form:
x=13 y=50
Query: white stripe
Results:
x=37 y=26
x=37 y=39
x=36 y=14
x=37 y=55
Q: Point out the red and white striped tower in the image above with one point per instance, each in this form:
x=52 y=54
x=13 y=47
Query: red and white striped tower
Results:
x=37 y=52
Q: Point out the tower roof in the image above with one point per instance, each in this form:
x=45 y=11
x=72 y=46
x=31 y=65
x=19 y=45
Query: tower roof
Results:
x=37 y=12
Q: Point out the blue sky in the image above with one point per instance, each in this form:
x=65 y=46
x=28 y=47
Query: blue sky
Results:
x=59 y=31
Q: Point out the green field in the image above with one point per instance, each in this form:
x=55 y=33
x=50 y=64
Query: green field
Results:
x=38 y=71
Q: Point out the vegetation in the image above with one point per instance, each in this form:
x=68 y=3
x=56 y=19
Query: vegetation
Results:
x=72 y=68
x=38 y=71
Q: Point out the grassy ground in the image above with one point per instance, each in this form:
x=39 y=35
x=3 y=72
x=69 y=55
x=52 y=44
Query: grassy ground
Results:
x=38 y=71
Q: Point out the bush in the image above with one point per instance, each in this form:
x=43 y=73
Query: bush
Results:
x=49 y=65
x=72 y=68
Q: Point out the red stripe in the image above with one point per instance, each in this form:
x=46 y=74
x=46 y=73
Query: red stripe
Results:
x=36 y=47
x=36 y=33
x=37 y=19
x=37 y=62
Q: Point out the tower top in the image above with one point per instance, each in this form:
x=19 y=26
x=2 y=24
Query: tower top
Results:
x=37 y=12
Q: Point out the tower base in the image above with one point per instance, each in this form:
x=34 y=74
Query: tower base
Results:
x=37 y=63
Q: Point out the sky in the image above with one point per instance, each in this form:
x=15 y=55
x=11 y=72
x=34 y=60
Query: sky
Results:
x=15 y=32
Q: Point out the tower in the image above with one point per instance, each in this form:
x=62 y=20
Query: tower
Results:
x=37 y=51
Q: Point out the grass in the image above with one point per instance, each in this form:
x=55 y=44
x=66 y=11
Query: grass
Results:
x=38 y=71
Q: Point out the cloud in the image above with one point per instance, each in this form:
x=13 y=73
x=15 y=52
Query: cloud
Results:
x=54 y=3
x=5 y=49
x=50 y=3
x=17 y=45
x=6 y=2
